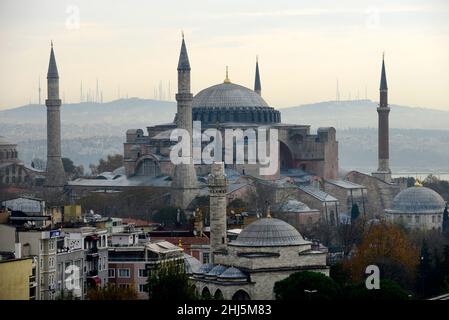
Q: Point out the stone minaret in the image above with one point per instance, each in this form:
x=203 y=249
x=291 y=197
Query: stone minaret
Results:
x=383 y=172
x=218 y=187
x=257 y=86
x=55 y=170
x=185 y=185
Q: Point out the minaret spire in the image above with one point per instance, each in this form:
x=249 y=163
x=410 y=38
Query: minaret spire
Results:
x=183 y=63
x=383 y=172
x=185 y=184
x=383 y=76
x=257 y=86
x=55 y=177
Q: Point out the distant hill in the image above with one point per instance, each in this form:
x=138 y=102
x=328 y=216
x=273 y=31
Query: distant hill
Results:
x=143 y=112
x=363 y=114
x=123 y=111
x=419 y=137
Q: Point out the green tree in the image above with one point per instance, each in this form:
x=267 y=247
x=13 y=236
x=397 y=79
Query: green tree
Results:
x=109 y=164
x=169 y=282
x=340 y=274
x=71 y=170
x=307 y=285
x=424 y=271
x=170 y=216
x=112 y=292
x=355 y=212
x=68 y=165
x=389 y=290
x=445 y=220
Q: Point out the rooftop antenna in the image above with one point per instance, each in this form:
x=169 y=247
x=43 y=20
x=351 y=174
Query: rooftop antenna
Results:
x=338 y=92
x=39 y=89
x=169 y=91
x=81 y=91
x=160 y=90
x=97 y=94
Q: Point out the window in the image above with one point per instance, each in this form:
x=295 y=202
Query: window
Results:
x=123 y=273
x=416 y=219
x=205 y=257
x=143 y=273
x=433 y=219
x=124 y=285
x=59 y=270
x=111 y=273
x=142 y=288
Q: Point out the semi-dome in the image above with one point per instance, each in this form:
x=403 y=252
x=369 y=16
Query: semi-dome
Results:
x=269 y=232
x=205 y=268
x=417 y=200
x=232 y=273
x=229 y=102
x=216 y=271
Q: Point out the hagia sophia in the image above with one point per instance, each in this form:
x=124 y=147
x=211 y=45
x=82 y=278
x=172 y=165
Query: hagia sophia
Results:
x=308 y=162
x=307 y=188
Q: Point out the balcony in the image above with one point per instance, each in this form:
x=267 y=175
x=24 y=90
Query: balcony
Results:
x=92 y=273
x=92 y=253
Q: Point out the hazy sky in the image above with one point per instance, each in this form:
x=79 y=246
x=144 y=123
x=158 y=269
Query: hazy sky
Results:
x=303 y=48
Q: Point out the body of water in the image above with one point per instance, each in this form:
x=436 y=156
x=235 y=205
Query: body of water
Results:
x=421 y=175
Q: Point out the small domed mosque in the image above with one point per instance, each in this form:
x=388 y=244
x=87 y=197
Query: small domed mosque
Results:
x=266 y=251
x=417 y=207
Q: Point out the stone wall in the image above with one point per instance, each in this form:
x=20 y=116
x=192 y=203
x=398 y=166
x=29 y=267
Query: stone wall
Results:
x=380 y=193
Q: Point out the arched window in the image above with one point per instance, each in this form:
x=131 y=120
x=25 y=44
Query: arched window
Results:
x=205 y=294
x=148 y=167
x=241 y=295
x=218 y=295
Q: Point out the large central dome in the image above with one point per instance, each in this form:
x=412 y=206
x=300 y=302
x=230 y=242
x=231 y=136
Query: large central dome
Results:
x=228 y=95
x=229 y=102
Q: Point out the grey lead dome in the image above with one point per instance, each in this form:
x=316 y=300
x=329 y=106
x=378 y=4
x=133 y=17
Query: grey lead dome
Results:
x=228 y=95
x=269 y=232
x=417 y=200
